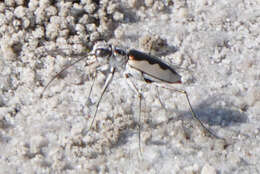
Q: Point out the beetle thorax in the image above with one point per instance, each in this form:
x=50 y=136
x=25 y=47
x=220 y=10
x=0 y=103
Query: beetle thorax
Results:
x=108 y=54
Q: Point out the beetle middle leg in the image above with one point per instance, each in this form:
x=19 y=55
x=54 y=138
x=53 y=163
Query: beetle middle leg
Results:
x=133 y=86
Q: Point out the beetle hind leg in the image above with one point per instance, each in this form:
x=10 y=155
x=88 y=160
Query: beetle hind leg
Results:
x=206 y=130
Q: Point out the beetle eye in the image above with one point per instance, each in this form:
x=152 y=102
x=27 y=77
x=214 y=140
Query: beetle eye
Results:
x=101 y=52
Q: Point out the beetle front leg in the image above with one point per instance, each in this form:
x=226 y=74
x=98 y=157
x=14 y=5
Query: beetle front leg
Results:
x=108 y=81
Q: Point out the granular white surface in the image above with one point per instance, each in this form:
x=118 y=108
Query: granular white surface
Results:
x=215 y=44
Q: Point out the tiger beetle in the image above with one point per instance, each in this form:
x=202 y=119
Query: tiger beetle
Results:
x=138 y=65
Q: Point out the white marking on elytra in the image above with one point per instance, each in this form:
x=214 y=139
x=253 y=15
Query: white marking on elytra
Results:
x=148 y=68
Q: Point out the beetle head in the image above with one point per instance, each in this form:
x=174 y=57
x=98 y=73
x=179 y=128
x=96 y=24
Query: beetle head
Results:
x=102 y=51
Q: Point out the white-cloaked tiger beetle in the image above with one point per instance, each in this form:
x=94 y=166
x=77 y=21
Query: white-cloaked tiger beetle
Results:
x=136 y=64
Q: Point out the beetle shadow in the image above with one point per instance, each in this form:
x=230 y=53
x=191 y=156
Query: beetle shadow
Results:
x=216 y=115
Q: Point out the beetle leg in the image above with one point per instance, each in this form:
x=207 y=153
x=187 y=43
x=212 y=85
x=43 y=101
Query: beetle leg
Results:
x=139 y=94
x=211 y=133
x=108 y=81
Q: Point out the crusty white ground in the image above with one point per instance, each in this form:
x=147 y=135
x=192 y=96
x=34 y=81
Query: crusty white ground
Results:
x=215 y=44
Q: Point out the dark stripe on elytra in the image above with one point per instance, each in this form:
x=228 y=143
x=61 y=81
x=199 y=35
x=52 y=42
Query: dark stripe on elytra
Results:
x=139 y=56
